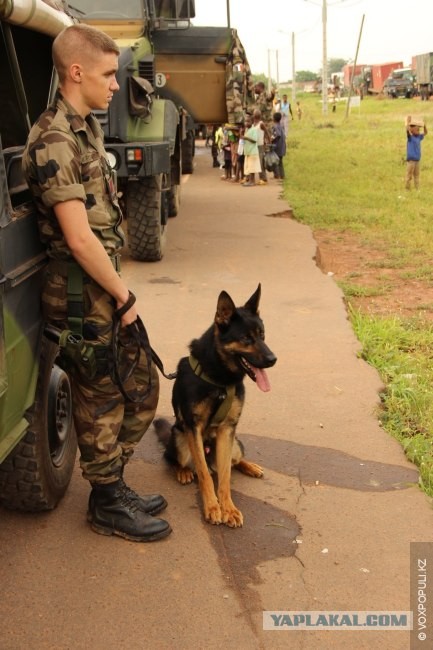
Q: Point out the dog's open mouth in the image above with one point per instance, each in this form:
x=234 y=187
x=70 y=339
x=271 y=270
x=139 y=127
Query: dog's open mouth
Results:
x=257 y=374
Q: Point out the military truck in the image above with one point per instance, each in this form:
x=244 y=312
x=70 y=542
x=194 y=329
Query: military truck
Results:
x=423 y=65
x=172 y=77
x=37 y=440
x=400 y=83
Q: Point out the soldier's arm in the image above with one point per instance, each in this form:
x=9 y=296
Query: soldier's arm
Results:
x=90 y=254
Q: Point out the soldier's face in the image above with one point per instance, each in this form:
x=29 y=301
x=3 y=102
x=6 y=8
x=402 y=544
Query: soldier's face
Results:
x=99 y=83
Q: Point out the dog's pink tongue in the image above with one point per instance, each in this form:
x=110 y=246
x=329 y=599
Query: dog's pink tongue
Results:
x=262 y=380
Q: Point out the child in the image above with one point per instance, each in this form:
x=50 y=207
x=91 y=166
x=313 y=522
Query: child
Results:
x=279 y=142
x=414 y=139
x=298 y=110
x=252 y=164
x=228 y=141
x=239 y=169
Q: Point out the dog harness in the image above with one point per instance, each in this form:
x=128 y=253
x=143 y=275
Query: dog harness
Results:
x=227 y=393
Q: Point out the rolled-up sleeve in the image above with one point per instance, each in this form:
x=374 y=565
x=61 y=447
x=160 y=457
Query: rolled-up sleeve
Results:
x=56 y=165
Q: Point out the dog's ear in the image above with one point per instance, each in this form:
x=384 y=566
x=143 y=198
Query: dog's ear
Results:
x=253 y=303
x=225 y=309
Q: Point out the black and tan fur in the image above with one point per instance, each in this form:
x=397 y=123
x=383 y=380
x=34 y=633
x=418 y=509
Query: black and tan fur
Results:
x=203 y=437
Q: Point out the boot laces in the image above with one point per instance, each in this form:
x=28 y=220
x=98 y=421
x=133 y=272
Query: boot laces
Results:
x=129 y=496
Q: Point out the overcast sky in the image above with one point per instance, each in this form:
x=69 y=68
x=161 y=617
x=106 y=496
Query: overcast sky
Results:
x=393 y=30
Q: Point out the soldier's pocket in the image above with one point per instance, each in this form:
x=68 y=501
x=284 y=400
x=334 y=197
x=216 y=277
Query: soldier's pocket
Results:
x=54 y=297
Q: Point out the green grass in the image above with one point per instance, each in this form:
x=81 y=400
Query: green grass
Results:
x=347 y=175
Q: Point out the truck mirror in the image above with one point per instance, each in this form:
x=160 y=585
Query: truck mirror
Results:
x=140 y=97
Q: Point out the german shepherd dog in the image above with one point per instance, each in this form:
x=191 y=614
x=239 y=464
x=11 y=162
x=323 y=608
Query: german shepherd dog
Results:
x=208 y=396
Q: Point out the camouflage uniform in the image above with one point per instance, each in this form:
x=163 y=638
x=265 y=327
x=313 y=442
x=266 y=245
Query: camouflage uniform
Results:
x=264 y=104
x=239 y=82
x=64 y=160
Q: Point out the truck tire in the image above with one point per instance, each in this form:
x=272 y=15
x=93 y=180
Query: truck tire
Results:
x=188 y=150
x=36 y=474
x=173 y=200
x=146 y=219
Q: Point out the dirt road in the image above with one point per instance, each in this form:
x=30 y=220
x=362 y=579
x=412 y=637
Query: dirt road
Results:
x=328 y=528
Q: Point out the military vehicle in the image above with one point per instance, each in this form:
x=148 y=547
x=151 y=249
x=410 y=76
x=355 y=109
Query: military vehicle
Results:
x=172 y=76
x=37 y=440
x=400 y=83
x=423 y=68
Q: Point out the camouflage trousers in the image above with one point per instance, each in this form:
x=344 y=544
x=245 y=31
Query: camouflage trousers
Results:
x=108 y=426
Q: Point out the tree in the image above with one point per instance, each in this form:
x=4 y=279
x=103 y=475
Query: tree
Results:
x=305 y=75
x=336 y=65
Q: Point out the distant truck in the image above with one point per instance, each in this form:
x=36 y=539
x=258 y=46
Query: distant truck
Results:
x=370 y=79
x=401 y=83
x=423 y=67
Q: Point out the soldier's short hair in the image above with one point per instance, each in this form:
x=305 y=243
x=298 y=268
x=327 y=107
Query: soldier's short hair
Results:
x=80 y=42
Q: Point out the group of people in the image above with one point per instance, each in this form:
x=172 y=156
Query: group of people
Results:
x=241 y=149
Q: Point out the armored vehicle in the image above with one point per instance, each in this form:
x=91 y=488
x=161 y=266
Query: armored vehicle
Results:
x=400 y=83
x=37 y=439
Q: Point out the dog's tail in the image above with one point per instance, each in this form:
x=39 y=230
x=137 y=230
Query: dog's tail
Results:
x=163 y=431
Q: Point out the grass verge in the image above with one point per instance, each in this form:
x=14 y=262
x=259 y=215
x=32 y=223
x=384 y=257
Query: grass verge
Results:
x=346 y=173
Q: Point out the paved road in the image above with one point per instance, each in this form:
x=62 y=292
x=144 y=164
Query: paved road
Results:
x=328 y=528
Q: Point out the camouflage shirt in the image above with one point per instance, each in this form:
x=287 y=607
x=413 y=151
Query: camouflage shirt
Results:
x=65 y=159
x=264 y=104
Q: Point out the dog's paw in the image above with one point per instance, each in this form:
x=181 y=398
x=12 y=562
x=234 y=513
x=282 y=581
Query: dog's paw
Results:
x=255 y=470
x=213 y=514
x=250 y=469
x=184 y=475
x=233 y=518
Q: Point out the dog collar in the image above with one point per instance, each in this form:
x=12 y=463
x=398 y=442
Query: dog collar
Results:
x=227 y=402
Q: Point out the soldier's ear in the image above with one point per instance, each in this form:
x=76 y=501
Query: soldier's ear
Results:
x=76 y=72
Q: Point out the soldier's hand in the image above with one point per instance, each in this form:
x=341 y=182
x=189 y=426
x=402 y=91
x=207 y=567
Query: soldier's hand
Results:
x=128 y=310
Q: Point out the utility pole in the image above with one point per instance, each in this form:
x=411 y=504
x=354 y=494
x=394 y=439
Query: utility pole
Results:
x=293 y=70
x=228 y=14
x=269 y=71
x=353 y=69
x=278 y=70
x=325 y=61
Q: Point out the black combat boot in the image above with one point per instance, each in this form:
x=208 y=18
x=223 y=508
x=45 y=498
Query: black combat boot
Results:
x=112 y=511
x=151 y=504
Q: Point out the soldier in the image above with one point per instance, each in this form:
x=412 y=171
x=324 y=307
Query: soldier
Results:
x=264 y=103
x=80 y=222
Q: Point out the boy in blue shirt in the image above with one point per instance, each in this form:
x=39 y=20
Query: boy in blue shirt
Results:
x=414 y=139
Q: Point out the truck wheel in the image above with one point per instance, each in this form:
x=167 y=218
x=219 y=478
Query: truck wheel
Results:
x=146 y=219
x=37 y=472
x=173 y=200
x=188 y=146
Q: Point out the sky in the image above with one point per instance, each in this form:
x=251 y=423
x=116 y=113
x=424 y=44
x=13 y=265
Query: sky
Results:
x=392 y=30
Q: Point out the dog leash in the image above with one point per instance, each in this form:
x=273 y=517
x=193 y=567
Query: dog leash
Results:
x=139 y=336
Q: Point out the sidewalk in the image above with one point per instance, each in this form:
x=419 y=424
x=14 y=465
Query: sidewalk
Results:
x=329 y=527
